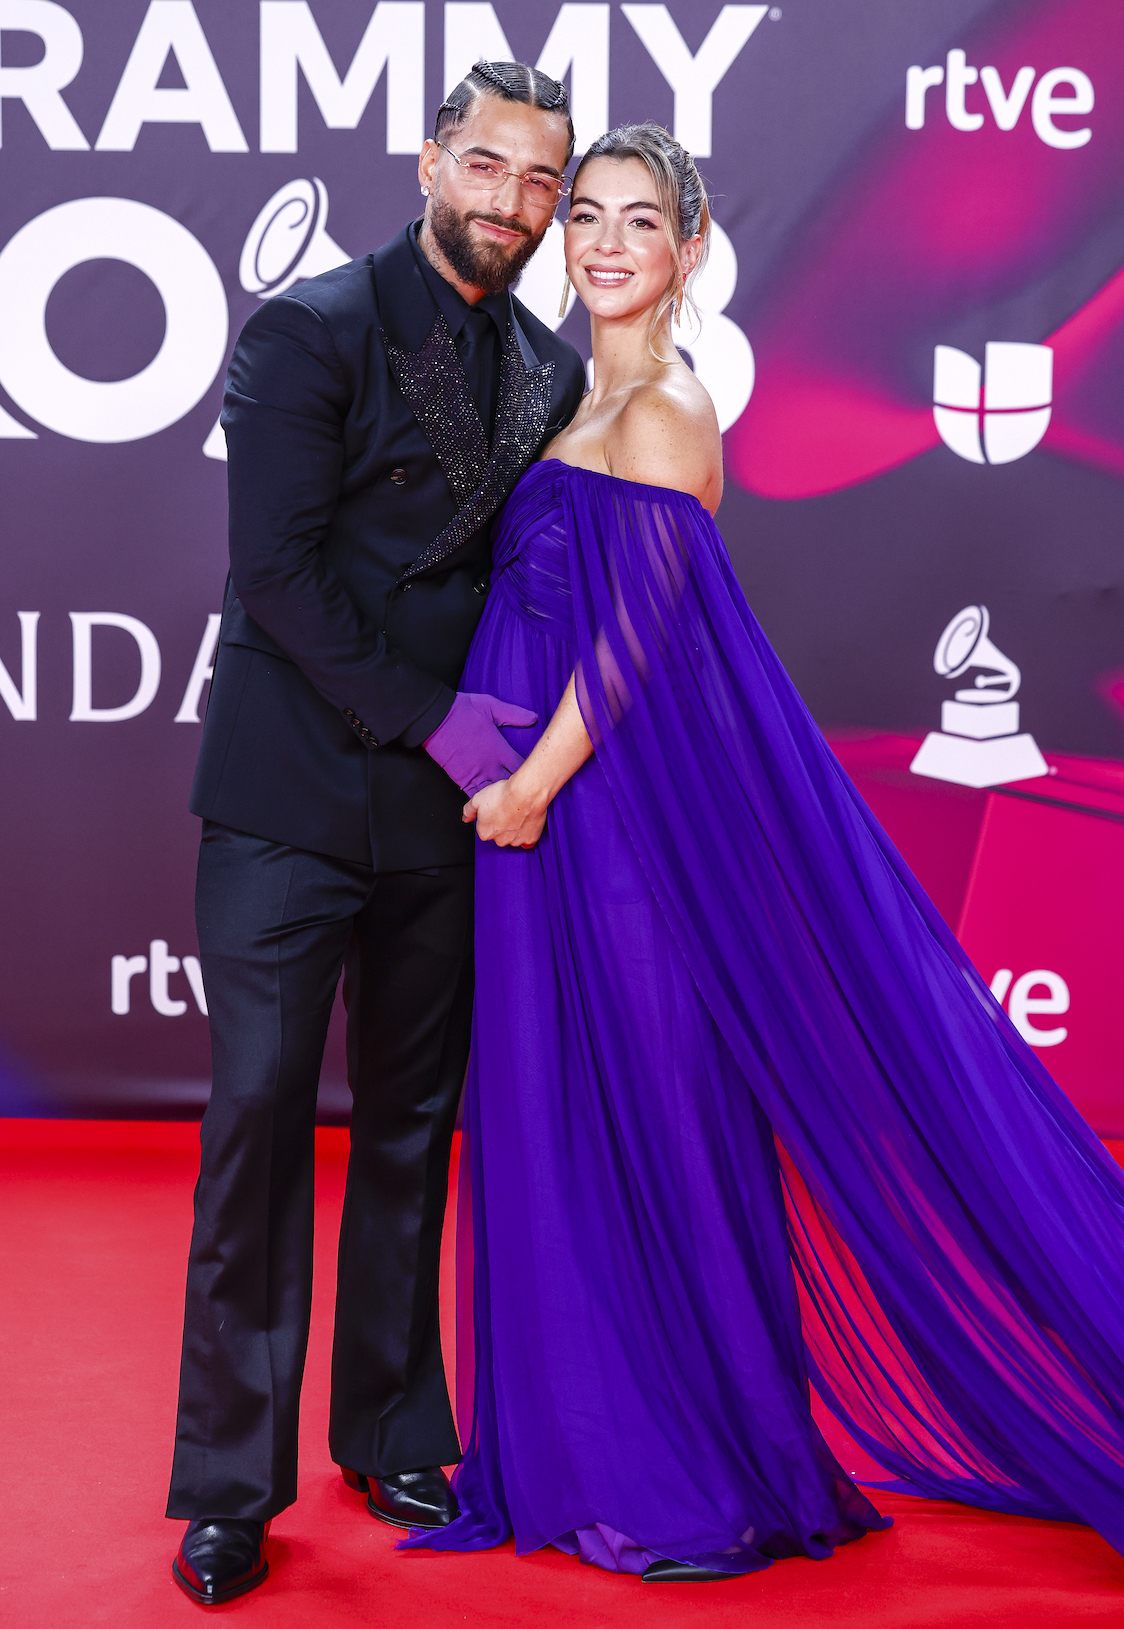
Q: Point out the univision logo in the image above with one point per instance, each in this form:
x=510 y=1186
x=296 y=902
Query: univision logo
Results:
x=1005 y=418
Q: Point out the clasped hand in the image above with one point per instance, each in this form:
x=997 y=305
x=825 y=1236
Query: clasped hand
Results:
x=509 y=813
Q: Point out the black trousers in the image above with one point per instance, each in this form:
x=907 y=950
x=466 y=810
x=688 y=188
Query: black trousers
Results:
x=276 y=925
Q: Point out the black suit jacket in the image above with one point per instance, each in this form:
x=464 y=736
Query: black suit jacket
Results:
x=362 y=490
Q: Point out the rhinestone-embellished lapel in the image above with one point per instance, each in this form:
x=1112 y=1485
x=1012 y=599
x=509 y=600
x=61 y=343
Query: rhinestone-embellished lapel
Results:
x=433 y=382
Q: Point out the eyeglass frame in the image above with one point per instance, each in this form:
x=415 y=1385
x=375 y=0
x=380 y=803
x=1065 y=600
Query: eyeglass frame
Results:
x=564 y=184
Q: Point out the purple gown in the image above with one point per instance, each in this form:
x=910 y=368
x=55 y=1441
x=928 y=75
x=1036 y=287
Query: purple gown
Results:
x=749 y=1145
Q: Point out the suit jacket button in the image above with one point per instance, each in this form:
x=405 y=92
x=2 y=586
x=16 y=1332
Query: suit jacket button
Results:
x=406 y=587
x=480 y=586
x=398 y=476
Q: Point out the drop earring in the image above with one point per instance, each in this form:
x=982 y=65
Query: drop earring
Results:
x=565 y=300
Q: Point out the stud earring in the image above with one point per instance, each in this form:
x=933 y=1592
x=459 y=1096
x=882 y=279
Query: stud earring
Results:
x=425 y=192
x=565 y=300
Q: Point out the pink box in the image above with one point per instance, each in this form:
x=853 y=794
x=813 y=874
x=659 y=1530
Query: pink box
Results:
x=1032 y=878
x=1046 y=895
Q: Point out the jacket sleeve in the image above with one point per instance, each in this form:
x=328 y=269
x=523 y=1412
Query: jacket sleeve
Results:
x=283 y=412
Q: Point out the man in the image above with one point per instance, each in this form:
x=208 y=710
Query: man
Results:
x=376 y=419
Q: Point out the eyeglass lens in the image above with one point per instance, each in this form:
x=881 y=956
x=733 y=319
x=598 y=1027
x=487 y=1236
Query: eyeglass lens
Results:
x=482 y=172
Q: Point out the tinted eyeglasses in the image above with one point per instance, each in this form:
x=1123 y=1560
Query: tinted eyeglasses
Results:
x=539 y=187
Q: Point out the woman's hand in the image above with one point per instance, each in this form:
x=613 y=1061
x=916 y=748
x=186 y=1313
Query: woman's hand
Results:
x=512 y=813
x=509 y=813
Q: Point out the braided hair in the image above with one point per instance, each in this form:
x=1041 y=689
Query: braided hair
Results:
x=511 y=81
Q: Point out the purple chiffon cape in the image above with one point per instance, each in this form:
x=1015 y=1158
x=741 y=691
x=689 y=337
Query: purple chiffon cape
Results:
x=762 y=1193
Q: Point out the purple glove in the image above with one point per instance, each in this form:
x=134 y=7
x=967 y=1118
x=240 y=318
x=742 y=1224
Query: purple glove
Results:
x=468 y=745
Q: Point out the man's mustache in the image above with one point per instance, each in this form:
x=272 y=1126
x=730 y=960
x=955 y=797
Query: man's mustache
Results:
x=498 y=220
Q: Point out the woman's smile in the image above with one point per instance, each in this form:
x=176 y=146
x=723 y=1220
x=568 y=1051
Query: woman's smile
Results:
x=605 y=276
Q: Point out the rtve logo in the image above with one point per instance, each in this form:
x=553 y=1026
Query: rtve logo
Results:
x=1009 y=416
x=1022 y=1003
x=159 y=966
x=1006 y=105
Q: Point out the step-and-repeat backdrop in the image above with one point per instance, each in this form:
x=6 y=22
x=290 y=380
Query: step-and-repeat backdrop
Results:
x=912 y=326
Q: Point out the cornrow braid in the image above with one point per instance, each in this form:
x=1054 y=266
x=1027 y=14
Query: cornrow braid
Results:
x=501 y=82
x=513 y=82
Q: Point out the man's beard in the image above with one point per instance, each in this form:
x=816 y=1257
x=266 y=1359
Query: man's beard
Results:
x=486 y=266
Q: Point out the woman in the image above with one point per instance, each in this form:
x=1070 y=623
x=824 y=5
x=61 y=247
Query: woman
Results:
x=746 y=1132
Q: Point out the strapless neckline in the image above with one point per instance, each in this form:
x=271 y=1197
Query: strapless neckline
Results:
x=595 y=475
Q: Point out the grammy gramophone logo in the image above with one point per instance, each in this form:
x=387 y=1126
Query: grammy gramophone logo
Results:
x=978 y=743
x=289 y=240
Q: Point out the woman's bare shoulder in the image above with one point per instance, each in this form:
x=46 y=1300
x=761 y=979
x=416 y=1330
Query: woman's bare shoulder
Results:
x=666 y=434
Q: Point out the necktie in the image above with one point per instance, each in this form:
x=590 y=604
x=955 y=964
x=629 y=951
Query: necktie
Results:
x=476 y=344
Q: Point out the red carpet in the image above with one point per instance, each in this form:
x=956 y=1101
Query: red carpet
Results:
x=94 y=1225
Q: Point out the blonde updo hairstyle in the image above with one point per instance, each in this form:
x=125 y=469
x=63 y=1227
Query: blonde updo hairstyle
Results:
x=681 y=196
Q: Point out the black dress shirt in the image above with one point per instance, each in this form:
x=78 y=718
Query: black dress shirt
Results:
x=479 y=332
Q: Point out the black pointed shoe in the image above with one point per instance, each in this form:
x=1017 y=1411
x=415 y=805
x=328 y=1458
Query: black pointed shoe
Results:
x=221 y=1557
x=412 y=1498
x=681 y=1572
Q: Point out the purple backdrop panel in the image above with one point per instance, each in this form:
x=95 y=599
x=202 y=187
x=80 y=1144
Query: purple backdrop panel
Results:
x=911 y=323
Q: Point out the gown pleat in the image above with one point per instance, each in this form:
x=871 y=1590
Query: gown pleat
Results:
x=761 y=1190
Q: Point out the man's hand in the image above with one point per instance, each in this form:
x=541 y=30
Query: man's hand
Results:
x=468 y=744
x=510 y=814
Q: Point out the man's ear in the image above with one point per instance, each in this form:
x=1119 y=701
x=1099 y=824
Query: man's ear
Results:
x=427 y=163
